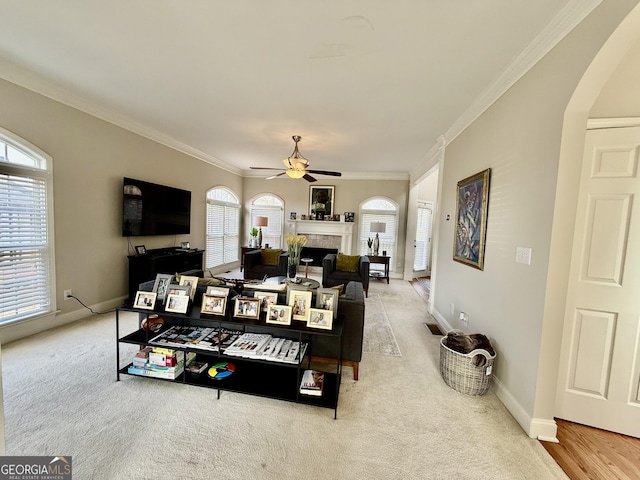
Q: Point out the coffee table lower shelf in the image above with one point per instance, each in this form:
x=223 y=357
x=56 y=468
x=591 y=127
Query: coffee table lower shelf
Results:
x=260 y=379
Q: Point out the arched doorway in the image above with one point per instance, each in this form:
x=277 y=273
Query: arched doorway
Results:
x=571 y=154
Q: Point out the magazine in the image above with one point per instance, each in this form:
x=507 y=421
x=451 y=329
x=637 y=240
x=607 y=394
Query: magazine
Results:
x=312 y=382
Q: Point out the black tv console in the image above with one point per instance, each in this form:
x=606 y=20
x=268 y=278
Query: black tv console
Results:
x=143 y=268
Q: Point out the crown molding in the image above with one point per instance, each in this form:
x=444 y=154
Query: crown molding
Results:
x=568 y=18
x=26 y=79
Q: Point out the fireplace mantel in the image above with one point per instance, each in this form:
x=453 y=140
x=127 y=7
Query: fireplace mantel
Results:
x=318 y=227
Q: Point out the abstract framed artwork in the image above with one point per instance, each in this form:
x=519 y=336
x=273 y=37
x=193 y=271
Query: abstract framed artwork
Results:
x=472 y=206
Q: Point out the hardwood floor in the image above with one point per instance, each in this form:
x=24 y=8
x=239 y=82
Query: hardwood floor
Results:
x=587 y=453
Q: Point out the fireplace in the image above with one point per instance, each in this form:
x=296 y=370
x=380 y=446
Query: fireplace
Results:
x=317 y=254
x=323 y=234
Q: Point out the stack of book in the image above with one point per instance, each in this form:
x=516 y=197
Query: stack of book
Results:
x=312 y=382
x=266 y=347
x=203 y=338
x=160 y=362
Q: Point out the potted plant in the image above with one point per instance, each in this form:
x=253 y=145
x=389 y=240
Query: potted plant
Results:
x=253 y=241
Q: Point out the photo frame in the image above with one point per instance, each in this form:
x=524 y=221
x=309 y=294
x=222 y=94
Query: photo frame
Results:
x=293 y=216
x=177 y=303
x=145 y=300
x=300 y=302
x=321 y=200
x=218 y=291
x=319 y=318
x=246 y=307
x=472 y=205
x=177 y=290
x=140 y=250
x=349 y=217
x=191 y=282
x=213 y=304
x=327 y=299
x=266 y=299
x=279 y=314
x=185 y=245
x=161 y=285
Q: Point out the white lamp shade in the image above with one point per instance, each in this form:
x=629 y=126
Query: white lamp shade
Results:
x=378 y=227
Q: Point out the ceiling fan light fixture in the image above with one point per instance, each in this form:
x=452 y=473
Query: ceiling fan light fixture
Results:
x=295 y=173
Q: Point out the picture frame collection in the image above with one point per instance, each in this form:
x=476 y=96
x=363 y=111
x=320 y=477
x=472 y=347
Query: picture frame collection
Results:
x=299 y=305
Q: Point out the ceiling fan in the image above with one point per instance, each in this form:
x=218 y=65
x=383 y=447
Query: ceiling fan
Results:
x=296 y=166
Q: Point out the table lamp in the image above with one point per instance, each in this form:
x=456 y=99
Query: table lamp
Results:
x=261 y=222
x=378 y=227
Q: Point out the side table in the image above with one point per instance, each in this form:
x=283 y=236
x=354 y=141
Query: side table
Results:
x=383 y=260
x=306 y=262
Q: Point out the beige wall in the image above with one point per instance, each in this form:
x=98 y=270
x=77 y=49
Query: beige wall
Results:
x=349 y=194
x=90 y=158
x=519 y=139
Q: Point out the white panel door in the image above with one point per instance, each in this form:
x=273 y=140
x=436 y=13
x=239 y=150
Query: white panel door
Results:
x=600 y=361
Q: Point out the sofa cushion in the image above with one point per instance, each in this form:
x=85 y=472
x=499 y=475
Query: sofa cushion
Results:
x=347 y=263
x=270 y=256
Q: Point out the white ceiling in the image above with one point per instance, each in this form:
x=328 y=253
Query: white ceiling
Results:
x=370 y=85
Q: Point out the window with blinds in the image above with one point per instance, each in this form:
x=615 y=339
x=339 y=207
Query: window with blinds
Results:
x=379 y=210
x=423 y=238
x=271 y=207
x=223 y=228
x=26 y=265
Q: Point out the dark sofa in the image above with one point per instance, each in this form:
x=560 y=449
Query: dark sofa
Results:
x=254 y=268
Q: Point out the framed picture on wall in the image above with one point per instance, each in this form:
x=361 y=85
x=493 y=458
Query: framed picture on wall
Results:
x=472 y=206
x=321 y=200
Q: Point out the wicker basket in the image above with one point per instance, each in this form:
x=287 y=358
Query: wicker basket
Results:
x=460 y=373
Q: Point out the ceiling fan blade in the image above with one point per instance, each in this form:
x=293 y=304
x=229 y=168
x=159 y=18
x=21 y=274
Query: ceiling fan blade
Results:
x=264 y=168
x=276 y=176
x=309 y=178
x=325 y=172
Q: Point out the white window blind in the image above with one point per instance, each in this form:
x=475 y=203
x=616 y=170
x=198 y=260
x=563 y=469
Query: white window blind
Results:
x=271 y=207
x=223 y=229
x=379 y=210
x=24 y=239
x=423 y=238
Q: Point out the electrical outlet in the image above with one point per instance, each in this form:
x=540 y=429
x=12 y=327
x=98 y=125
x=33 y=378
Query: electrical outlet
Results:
x=464 y=319
x=523 y=255
x=67 y=294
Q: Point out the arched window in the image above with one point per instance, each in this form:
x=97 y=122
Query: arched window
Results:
x=272 y=207
x=223 y=227
x=379 y=209
x=27 y=276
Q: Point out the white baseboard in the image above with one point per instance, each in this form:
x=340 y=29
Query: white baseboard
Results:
x=31 y=326
x=540 y=428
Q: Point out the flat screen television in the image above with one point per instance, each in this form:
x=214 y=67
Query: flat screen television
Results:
x=152 y=209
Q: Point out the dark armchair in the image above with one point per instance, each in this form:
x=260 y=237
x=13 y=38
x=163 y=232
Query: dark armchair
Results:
x=269 y=262
x=347 y=269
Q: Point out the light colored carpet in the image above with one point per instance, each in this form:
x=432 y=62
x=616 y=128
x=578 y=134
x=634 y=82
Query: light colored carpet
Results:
x=378 y=335
x=398 y=421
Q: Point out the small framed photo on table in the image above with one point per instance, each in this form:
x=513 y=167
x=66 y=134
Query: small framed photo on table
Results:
x=177 y=303
x=327 y=299
x=213 y=304
x=140 y=250
x=266 y=299
x=247 y=307
x=279 y=314
x=145 y=300
x=191 y=282
x=300 y=302
x=163 y=280
x=319 y=318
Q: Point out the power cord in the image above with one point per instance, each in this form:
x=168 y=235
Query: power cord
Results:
x=89 y=308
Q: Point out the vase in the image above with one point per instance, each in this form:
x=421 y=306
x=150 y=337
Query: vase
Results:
x=292 y=270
